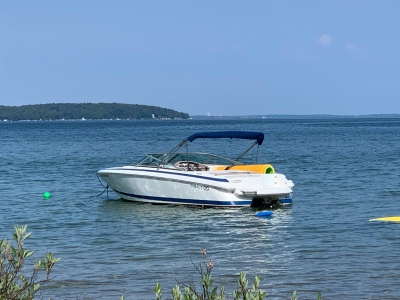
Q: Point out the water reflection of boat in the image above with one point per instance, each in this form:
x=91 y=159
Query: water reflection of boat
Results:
x=203 y=179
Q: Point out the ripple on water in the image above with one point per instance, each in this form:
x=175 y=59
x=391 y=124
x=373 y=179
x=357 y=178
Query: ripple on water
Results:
x=345 y=172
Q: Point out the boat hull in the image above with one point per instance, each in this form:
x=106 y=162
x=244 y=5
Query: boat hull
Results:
x=211 y=189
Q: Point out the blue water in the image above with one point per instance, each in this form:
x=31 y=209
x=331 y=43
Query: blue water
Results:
x=346 y=171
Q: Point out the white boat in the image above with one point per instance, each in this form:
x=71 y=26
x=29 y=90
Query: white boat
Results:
x=202 y=179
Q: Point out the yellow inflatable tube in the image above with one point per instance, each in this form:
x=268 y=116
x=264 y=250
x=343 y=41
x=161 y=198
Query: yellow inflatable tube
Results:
x=263 y=169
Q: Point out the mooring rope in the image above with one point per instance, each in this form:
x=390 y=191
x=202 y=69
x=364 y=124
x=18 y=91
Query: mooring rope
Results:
x=104 y=186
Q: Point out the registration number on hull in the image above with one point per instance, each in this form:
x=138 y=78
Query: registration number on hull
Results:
x=200 y=186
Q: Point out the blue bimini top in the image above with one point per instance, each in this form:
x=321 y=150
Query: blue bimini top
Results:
x=247 y=135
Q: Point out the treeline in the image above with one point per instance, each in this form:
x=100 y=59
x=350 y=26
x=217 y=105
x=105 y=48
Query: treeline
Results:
x=95 y=111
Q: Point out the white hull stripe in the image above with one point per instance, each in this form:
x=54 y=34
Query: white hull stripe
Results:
x=218 y=188
x=173 y=173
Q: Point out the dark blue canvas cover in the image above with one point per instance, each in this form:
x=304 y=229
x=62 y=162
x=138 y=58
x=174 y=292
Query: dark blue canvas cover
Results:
x=247 y=135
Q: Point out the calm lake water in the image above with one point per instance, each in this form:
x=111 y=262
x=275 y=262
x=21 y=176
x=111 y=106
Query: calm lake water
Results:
x=346 y=171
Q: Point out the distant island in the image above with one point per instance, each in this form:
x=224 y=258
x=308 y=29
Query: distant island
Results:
x=87 y=111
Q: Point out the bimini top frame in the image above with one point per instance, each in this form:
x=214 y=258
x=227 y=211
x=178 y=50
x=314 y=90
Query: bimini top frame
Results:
x=247 y=135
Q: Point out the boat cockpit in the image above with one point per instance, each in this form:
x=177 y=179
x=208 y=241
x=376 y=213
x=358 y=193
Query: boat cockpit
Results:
x=195 y=161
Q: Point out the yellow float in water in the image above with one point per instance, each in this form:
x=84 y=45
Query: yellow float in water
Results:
x=387 y=219
x=263 y=169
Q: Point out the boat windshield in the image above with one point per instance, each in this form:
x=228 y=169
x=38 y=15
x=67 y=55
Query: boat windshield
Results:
x=168 y=160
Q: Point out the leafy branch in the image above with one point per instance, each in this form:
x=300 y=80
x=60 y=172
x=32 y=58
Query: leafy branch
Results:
x=14 y=284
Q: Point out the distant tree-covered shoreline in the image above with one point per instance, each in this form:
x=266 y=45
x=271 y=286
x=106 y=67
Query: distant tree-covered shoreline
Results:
x=94 y=111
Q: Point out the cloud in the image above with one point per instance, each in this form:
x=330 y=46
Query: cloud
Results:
x=324 y=40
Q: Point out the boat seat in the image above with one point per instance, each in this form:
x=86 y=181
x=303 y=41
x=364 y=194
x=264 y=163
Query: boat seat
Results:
x=191 y=165
x=262 y=169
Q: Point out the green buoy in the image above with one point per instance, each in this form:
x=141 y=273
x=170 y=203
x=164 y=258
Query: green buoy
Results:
x=46 y=195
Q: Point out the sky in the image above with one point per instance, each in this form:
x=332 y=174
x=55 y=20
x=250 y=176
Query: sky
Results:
x=204 y=57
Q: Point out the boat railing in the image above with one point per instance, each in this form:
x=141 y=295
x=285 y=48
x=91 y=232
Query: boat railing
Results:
x=177 y=160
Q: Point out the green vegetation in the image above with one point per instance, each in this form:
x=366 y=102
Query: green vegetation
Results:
x=95 y=111
x=207 y=291
x=14 y=284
